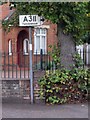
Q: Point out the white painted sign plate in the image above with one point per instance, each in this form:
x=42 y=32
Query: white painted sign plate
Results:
x=29 y=20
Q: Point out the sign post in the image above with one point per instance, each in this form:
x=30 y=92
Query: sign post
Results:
x=30 y=21
x=31 y=71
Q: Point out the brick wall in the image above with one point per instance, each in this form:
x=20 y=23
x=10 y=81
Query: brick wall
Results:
x=13 y=34
x=20 y=89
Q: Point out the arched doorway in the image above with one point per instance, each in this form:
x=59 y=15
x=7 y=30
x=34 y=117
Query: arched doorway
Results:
x=23 y=35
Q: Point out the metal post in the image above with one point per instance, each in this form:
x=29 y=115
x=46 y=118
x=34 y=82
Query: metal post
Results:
x=31 y=72
x=41 y=59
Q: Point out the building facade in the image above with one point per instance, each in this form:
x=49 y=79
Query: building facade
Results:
x=16 y=42
x=14 y=46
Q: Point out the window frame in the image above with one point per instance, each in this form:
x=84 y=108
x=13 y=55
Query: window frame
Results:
x=25 y=49
x=10 y=47
x=40 y=35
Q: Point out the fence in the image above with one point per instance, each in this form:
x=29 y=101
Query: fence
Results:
x=15 y=72
x=16 y=65
x=84 y=51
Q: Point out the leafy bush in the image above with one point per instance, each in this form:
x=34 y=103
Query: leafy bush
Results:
x=63 y=86
x=78 y=61
x=55 y=54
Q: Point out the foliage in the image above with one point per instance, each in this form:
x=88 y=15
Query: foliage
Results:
x=55 y=55
x=72 y=16
x=63 y=86
x=78 y=61
x=45 y=65
x=52 y=60
x=8 y=24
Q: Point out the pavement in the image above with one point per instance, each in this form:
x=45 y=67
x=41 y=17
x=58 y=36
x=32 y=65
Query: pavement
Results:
x=27 y=110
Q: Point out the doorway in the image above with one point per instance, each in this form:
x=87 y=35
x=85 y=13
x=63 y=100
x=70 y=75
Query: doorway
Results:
x=20 y=47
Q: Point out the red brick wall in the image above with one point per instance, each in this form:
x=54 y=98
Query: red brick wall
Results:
x=13 y=35
x=4 y=10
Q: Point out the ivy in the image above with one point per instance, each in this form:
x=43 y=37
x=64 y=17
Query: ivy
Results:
x=65 y=86
x=55 y=54
x=72 y=15
x=78 y=61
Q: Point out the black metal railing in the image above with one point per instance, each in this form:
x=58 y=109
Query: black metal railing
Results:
x=16 y=65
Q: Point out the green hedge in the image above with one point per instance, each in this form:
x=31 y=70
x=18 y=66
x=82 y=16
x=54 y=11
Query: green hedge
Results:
x=65 y=86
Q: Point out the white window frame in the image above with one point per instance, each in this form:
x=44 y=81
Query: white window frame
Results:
x=10 y=47
x=40 y=35
x=25 y=51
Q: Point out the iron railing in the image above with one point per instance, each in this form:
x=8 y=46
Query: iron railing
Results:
x=16 y=64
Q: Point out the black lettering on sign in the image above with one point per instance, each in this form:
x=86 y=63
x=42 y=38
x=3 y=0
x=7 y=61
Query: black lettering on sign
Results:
x=25 y=19
x=34 y=18
x=30 y=18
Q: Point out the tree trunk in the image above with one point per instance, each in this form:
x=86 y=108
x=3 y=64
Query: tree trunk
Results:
x=67 y=48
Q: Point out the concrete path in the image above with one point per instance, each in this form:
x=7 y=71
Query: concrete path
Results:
x=17 y=110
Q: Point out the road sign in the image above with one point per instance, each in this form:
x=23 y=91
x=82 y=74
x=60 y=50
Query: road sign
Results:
x=29 y=20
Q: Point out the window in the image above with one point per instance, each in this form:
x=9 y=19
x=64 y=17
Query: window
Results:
x=40 y=40
x=25 y=46
x=10 y=47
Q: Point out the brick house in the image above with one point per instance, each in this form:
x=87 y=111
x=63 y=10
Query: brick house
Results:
x=17 y=40
x=15 y=53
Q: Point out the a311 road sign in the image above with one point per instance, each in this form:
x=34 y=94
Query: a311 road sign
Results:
x=29 y=20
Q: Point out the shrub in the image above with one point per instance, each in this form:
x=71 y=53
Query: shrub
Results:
x=63 y=86
x=78 y=61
